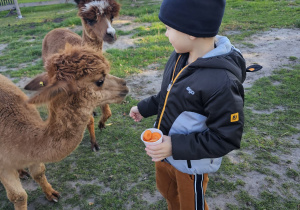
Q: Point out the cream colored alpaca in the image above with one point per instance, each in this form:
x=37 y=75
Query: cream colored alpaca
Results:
x=96 y=18
x=78 y=82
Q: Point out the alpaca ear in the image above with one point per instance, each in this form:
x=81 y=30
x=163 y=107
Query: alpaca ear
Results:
x=38 y=82
x=47 y=93
x=115 y=8
x=80 y=3
x=77 y=1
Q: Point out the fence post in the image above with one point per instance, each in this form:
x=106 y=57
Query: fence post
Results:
x=18 y=9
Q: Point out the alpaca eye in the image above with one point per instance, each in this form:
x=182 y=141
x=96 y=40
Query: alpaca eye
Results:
x=112 y=19
x=99 y=83
x=90 y=21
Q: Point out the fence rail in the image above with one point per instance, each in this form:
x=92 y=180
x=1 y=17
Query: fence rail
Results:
x=6 y=2
x=13 y=5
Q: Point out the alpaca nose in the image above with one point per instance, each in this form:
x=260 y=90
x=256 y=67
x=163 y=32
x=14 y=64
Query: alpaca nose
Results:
x=111 y=32
x=110 y=35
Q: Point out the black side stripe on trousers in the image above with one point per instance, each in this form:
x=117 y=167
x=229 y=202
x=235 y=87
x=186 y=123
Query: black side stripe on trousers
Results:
x=199 y=196
x=189 y=164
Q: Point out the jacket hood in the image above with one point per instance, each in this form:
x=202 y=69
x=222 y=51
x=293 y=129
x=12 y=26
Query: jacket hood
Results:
x=224 y=56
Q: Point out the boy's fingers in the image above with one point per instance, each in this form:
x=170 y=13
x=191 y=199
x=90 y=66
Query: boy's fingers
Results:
x=149 y=152
x=154 y=147
x=152 y=151
x=155 y=154
x=157 y=159
x=152 y=154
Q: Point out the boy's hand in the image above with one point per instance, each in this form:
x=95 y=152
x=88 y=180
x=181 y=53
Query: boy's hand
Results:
x=135 y=114
x=160 y=151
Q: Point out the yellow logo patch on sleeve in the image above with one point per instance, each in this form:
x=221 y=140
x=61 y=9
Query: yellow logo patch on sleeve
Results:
x=234 y=117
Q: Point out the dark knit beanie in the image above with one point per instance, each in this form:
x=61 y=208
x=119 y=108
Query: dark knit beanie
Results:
x=199 y=18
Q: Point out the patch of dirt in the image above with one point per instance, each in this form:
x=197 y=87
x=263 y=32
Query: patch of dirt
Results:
x=271 y=49
x=256 y=182
x=2 y=47
x=30 y=40
x=152 y=198
x=145 y=84
x=58 y=20
x=23 y=80
x=124 y=23
x=123 y=42
x=270 y=111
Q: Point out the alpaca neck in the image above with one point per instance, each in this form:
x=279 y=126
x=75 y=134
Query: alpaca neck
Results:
x=65 y=129
x=91 y=40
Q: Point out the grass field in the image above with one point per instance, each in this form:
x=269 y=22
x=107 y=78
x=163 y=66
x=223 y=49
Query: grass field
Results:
x=121 y=175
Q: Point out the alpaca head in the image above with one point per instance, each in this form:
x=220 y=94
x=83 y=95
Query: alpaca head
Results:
x=97 y=17
x=79 y=73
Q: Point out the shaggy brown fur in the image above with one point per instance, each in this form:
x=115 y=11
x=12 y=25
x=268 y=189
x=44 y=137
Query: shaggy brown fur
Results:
x=96 y=18
x=78 y=82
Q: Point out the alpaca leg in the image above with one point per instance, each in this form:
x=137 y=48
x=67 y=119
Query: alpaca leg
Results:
x=106 y=113
x=15 y=192
x=37 y=172
x=91 y=128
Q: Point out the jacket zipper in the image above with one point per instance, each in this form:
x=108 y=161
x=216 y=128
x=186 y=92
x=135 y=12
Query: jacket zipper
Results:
x=169 y=89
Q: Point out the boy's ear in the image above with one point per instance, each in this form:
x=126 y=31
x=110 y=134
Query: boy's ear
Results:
x=49 y=92
x=192 y=37
x=38 y=82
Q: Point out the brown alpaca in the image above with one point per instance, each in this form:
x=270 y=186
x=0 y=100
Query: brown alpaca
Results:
x=96 y=18
x=78 y=81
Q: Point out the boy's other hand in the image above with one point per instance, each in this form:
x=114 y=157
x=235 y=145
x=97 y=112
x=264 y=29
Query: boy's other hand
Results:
x=135 y=114
x=160 y=151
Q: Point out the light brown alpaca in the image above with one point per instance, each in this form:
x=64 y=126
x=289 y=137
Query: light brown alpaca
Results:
x=78 y=81
x=96 y=18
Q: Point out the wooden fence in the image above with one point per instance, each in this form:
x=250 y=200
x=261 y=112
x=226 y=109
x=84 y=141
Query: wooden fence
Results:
x=13 y=5
x=6 y=2
x=10 y=5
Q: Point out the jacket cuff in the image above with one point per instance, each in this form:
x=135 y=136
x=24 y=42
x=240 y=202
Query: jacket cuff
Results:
x=178 y=147
x=149 y=106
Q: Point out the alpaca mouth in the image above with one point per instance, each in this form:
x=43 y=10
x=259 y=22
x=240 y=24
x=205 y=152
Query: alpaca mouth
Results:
x=124 y=93
x=110 y=39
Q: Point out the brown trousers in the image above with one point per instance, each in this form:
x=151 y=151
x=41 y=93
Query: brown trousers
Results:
x=180 y=190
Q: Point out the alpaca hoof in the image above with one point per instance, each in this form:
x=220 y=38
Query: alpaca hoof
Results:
x=54 y=196
x=95 y=147
x=101 y=125
x=24 y=175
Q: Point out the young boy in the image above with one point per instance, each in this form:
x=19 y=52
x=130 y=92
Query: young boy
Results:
x=200 y=105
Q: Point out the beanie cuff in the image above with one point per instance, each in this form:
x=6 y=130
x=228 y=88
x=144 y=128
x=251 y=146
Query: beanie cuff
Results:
x=189 y=32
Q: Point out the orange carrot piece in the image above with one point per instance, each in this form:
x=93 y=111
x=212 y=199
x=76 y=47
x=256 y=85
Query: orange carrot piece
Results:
x=147 y=135
x=152 y=140
x=156 y=136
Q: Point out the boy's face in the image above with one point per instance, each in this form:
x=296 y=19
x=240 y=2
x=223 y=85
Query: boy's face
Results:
x=181 y=42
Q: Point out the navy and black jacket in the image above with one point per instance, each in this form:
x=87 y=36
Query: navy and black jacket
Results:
x=203 y=113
